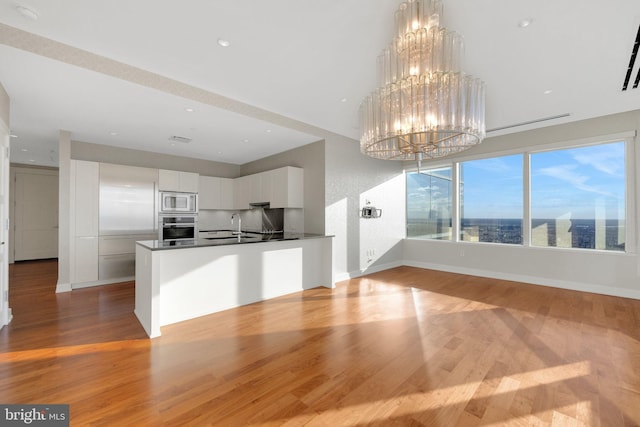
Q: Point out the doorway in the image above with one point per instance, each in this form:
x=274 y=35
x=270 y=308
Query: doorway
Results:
x=34 y=213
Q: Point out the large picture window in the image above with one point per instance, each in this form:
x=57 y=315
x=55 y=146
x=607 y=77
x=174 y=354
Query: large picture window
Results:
x=429 y=202
x=578 y=197
x=491 y=200
x=571 y=198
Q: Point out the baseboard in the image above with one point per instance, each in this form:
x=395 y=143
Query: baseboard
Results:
x=532 y=280
x=63 y=287
x=4 y=322
x=102 y=282
x=339 y=277
x=147 y=329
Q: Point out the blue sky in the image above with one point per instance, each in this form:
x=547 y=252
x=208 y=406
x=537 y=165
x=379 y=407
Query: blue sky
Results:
x=574 y=183
x=492 y=188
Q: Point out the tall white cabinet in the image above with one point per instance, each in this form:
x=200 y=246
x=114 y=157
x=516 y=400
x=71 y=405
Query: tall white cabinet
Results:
x=85 y=192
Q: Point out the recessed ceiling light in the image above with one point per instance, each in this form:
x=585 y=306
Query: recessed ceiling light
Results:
x=343 y=100
x=189 y=110
x=13 y=135
x=24 y=149
x=268 y=131
x=219 y=152
x=245 y=140
x=524 y=23
x=113 y=133
x=224 y=43
x=32 y=161
x=547 y=92
x=27 y=12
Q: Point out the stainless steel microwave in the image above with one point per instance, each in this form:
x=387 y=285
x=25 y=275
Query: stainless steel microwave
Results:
x=174 y=202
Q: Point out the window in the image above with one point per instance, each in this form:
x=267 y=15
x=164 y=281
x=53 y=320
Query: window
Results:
x=572 y=198
x=429 y=202
x=491 y=200
x=578 y=197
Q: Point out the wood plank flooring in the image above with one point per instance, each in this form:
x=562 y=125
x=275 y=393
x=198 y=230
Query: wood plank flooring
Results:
x=405 y=347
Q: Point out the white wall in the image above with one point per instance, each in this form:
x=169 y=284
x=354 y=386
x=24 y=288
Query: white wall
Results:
x=362 y=245
x=4 y=107
x=5 y=311
x=587 y=270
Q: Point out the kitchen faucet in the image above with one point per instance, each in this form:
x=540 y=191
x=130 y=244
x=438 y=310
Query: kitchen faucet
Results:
x=239 y=223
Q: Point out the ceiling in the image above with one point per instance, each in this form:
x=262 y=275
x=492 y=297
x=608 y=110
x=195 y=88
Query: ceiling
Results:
x=125 y=73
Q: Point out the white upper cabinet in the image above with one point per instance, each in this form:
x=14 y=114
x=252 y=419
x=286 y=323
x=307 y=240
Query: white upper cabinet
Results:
x=287 y=188
x=169 y=180
x=227 y=199
x=215 y=193
x=263 y=185
x=243 y=191
x=281 y=188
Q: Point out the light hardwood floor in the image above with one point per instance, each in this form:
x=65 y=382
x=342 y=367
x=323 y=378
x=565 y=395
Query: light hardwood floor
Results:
x=402 y=347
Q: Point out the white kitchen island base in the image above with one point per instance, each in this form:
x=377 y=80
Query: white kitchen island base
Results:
x=181 y=283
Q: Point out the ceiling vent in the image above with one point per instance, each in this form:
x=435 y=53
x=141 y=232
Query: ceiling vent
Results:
x=632 y=62
x=182 y=139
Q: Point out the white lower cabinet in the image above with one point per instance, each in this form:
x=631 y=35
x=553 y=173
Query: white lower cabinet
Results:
x=116 y=266
x=85 y=261
x=117 y=255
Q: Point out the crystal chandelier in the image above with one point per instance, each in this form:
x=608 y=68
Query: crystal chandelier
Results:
x=425 y=106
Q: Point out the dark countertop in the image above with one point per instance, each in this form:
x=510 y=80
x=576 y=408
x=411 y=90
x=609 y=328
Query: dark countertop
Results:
x=245 y=238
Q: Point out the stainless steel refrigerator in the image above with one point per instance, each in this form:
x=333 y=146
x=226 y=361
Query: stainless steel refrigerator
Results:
x=128 y=213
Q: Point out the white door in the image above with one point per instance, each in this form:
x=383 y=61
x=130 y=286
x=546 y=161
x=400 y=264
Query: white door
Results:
x=5 y=312
x=36 y=215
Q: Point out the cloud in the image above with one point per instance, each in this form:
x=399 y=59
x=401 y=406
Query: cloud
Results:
x=567 y=173
x=496 y=164
x=608 y=159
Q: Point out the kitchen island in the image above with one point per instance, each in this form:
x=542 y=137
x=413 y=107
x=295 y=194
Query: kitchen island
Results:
x=177 y=281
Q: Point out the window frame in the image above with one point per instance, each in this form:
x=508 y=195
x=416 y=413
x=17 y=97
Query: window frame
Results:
x=632 y=183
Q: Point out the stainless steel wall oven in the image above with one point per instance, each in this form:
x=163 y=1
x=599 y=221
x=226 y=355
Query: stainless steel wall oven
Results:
x=178 y=227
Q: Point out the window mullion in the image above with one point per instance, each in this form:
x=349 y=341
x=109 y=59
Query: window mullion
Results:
x=526 y=199
x=455 y=208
